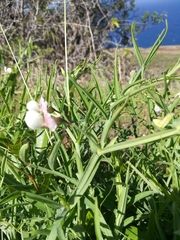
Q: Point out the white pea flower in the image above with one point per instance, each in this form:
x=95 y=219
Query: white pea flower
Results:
x=34 y=119
x=38 y=116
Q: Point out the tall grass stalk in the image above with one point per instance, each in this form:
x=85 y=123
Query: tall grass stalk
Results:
x=17 y=65
x=66 y=83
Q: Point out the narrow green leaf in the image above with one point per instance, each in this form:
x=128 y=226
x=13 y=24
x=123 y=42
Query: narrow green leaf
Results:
x=41 y=140
x=97 y=221
x=3 y=164
x=23 y=152
x=42 y=199
x=155 y=46
x=56 y=232
x=121 y=195
x=98 y=85
x=14 y=184
x=85 y=180
x=144 y=63
x=116 y=79
x=132 y=233
x=36 y=233
x=54 y=154
x=109 y=122
x=82 y=91
x=133 y=89
x=139 y=141
x=136 y=48
x=103 y=224
x=55 y=173
x=9 y=198
x=49 y=83
x=151 y=226
x=139 y=197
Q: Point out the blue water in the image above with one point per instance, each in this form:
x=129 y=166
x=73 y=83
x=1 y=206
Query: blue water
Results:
x=172 y=8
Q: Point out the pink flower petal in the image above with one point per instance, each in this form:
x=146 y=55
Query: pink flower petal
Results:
x=49 y=122
x=43 y=105
x=38 y=115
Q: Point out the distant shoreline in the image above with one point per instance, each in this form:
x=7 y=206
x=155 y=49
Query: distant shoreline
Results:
x=172 y=48
x=164 y=48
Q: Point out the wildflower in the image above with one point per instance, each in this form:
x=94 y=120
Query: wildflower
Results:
x=7 y=70
x=157 y=110
x=38 y=116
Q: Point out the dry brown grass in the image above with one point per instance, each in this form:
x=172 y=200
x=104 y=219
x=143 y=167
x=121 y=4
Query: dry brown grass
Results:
x=165 y=58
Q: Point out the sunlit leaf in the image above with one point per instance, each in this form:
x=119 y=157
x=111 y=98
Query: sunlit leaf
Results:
x=162 y=123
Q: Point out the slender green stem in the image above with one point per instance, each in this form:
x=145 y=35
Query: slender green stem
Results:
x=15 y=61
x=139 y=141
x=85 y=180
x=66 y=84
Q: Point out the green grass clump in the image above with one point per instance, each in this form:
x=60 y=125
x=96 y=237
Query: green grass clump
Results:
x=107 y=172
